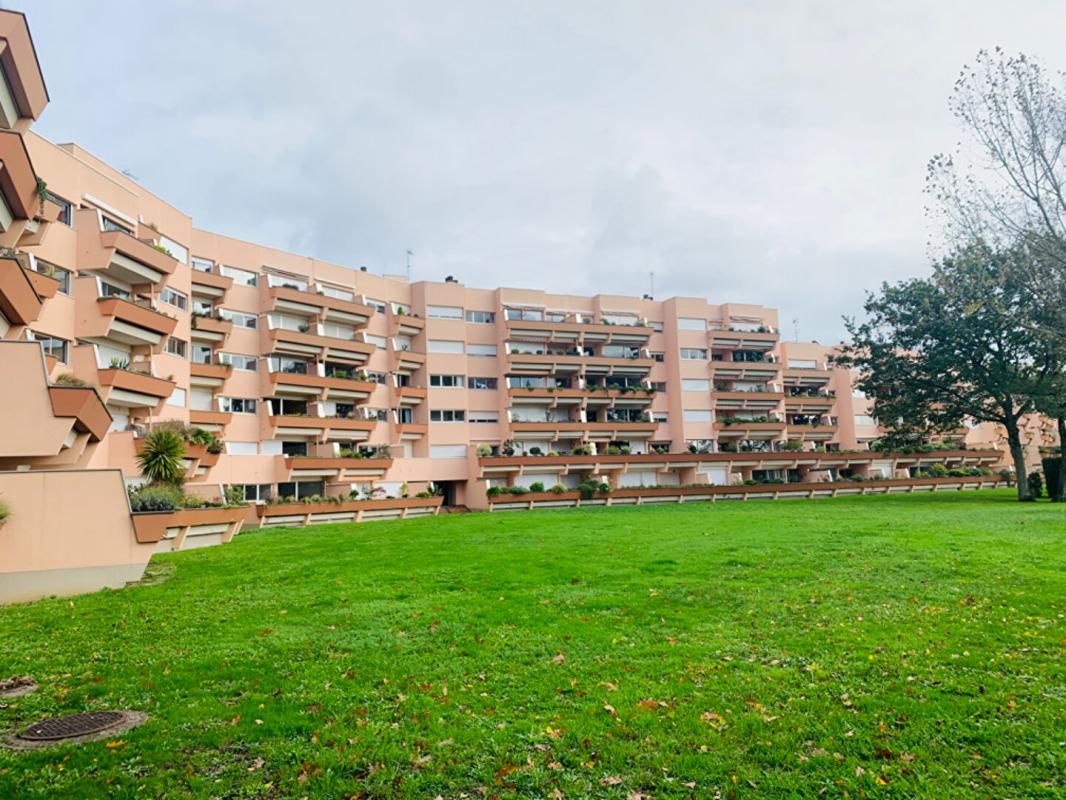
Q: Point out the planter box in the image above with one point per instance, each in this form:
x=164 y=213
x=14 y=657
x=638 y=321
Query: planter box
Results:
x=151 y=526
x=348 y=511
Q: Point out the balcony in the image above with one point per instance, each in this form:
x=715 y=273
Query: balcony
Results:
x=405 y=325
x=406 y=361
x=745 y=370
x=315 y=385
x=409 y=431
x=24 y=92
x=597 y=397
x=578 y=332
x=215 y=421
x=313 y=304
x=334 y=468
x=587 y=430
x=742 y=340
x=126 y=321
x=213 y=375
x=84 y=406
x=322 y=427
x=18 y=181
x=793 y=376
x=123 y=387
x=209 y=285
x=119 y=254
x=410 y=395
x=557 y=363
x=746 y=400
x=20 y=301
x=813 y=403
x=306 y=343
x=745 y=429
x=811 y=433
x=210 y=329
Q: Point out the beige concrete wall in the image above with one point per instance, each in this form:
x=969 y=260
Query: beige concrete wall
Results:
x=68 y=532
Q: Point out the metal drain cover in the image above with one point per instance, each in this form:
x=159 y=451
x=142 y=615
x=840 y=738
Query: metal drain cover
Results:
x=72 y=725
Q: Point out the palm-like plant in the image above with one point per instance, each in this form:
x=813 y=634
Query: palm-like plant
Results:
x=161 y=458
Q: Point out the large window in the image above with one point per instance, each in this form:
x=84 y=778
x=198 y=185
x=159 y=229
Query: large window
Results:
x=177 y=347
x=202 y=264
x=237 y=405
x=693 y=354
x=238 y=361
x=483 y=416
x=447 y=415
x=481 y=383
x=446 y=381
x=52 y=345
x=301 y=489
x=481 y=317
x=695 y=385
x=240 y=319
x=526 y=314
x=445 y=346
x=66 y=209
x=241 y=276
x=172 y=297
x=481 y=350
x=58 y=273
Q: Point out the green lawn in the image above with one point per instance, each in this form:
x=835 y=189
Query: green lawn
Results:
x=908 y=646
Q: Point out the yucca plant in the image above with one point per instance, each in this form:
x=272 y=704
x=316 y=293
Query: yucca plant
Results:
x=161 y=458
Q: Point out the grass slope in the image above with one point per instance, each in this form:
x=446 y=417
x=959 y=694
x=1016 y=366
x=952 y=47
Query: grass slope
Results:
x=909 y=646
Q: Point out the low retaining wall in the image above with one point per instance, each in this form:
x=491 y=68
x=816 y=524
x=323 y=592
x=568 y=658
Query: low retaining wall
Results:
x=188 y=528
x=765 y=491
x=298 y=514
x=69 y=532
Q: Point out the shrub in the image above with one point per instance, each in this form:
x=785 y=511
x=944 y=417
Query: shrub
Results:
x=614 y=451
x=557 y=488
x=424 y=494
x=214 y=447
x=5 y=512
x=233 y=495
x=494 y=491
x=161 y=458
x=200 y=436
x=604 y=488
x=67 y=379
x=1007 y=476
x=553 y=452
x=536 y=487
x=519 y=490
x=583 y=450
x=1036 y=485
x=484 y=450
x=938 y=471
x=192 y=501
x=535 y=451
x=156 y=497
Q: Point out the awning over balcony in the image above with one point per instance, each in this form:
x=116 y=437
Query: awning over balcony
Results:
x=129 y=322
x=18 y=181
x=20 y=303
x=120 y=254
x=22 y=92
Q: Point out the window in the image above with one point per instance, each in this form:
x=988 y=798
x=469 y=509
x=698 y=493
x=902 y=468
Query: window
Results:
x=693 y=354
x=377 y=341
x=176 y=347
x=444 y=312
x=282 y=406
x=301 y=489
x=481 y=383
x=294 y=448
x=379 y=414
x=205 y=307
x=242 y=448
x=52 y=346
x=481 y=350
x=108 y=224
x=401 y=308
x=337 y=331
x=658 y=416
x=864 y=419
x=66 y=209
x=695 y=385
x=240 y=319
x=447 y=451
x=483 y=416
x=202 y=264
x=696 y=415
x=110 y=290
x=481 y=317
x=376 y=377
x=657 y=356
x=58 y=273
x=177 y=398
x=290 y=366
x=659 y=386
x=404 y=416
x=238 y=361
x=177 y=251
x=446 y=381
x=202 y=354
x=337 y=294
x=620 y=319
x=656 y=326
x=254 y=492
x=237 y=405
x=802 y=363
x=447 y=415
x=377 y=305
x=527 y=314
x=240 y=276
x=172 y=297
x=691 y=324
x=444 y=346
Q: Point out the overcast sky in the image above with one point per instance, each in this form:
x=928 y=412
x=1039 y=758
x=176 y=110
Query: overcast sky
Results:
x=765 y=152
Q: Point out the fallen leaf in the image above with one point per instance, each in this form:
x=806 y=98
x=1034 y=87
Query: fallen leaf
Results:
x=610 y=780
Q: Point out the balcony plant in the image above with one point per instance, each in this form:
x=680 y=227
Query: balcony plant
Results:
x=536 y=487
x=160 y=459
x=5 y=512
x=67 y=379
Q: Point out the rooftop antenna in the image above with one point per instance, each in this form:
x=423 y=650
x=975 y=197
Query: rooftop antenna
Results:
x=796 y=328
x=651 y=294
x=409 y=254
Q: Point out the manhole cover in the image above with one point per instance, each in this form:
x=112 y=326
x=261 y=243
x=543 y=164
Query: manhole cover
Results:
x=68 y=727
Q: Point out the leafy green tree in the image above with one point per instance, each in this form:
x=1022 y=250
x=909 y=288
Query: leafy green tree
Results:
x=934 y=352
x=161 y=457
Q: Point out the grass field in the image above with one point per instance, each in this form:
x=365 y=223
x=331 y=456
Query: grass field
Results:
x=899 y=647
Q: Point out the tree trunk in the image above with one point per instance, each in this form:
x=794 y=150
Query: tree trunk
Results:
x=1014 y=440
x=1061 y=496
